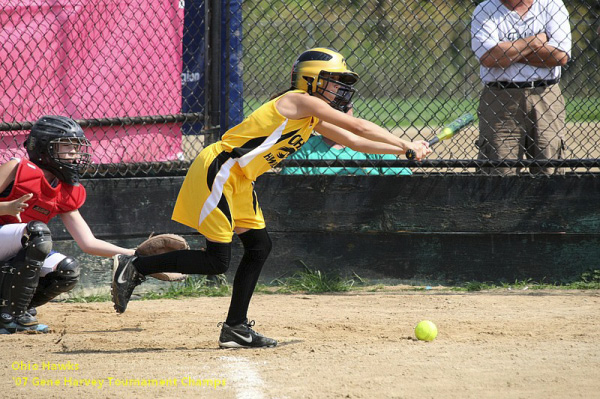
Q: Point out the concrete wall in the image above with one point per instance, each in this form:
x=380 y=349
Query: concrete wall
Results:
x=432 y=229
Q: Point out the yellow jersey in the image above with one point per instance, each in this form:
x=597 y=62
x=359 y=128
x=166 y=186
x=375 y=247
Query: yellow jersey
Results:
x=265 y=138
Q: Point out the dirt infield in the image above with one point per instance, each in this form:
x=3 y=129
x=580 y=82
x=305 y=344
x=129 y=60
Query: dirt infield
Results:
x=517 y=344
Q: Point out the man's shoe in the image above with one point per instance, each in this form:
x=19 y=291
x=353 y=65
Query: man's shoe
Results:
x=243 y=336
x=11 y=325
x=125 y=279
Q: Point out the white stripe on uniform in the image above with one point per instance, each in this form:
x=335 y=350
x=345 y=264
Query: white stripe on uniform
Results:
x=216 y=190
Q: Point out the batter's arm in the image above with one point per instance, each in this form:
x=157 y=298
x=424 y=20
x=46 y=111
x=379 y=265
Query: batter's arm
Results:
x=298 y=106
x=361 y=144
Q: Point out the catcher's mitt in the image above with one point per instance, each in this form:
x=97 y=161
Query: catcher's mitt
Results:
x=161 y=244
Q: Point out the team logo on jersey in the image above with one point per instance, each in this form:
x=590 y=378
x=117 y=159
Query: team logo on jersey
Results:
x=285 y=152
x=291 y=146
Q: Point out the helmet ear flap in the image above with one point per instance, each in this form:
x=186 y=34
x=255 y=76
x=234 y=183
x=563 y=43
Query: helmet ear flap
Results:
x=309 y=83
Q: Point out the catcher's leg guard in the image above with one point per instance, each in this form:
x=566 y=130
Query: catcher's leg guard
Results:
x=21 y=275
x=62 y=280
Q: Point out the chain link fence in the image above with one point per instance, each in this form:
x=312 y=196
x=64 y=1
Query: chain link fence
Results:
x=153 y=82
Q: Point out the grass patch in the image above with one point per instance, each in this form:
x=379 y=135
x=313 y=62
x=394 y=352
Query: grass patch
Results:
x=376 y=288
x=314 y=281
x=589 y=280
x=80 y=297
x=195 y=286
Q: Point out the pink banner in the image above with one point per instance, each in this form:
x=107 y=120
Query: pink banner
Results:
x=88 y=59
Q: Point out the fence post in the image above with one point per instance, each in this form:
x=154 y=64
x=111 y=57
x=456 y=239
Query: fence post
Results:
x=213 y=70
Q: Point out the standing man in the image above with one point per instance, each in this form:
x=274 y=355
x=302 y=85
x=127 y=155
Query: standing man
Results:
x=521 y=46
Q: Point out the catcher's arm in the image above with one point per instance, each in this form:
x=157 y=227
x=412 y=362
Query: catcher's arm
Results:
x=85 y=239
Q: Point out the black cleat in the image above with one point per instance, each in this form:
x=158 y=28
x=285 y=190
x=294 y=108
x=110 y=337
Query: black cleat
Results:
x=24 y=322
x=26 y=319
x=125 y=279
x=243 y=336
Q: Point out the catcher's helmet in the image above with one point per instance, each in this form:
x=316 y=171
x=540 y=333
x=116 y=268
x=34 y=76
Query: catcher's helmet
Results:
x=44 y=147
x=316 y=67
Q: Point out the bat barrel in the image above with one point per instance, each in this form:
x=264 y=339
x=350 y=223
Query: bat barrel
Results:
x=460 y=123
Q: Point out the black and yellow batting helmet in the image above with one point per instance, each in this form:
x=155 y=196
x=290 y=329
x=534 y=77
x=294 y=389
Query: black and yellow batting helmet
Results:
x=315 y=68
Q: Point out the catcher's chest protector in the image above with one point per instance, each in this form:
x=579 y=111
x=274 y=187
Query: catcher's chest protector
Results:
x=47 y=201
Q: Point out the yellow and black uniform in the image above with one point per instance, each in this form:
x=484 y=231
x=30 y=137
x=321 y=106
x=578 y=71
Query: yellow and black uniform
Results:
x=217 y=194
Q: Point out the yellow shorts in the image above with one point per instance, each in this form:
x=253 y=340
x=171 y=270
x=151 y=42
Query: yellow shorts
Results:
x=216 y=197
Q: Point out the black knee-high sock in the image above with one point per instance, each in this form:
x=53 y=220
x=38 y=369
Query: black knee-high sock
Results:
x=257 y=246
x=213 y=260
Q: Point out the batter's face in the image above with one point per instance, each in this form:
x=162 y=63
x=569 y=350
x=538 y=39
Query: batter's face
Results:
x=330 y=91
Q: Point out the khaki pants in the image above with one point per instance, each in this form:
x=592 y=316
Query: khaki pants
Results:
x=521 y=123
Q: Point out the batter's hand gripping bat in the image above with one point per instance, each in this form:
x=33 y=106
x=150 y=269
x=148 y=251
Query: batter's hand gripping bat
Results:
x=447 y=132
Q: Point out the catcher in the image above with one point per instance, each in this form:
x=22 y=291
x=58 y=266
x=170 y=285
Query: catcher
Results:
x=217 y=197
x=32 y=192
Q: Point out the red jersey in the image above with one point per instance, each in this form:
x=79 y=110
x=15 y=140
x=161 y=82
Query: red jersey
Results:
x=47 y=201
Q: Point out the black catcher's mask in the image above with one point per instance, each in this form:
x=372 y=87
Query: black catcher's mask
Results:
x=57 y=143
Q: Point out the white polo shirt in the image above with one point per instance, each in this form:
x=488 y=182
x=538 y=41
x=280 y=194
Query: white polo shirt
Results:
x=493 y=23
